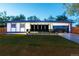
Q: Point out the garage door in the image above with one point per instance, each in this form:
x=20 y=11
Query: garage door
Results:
x=61 y=28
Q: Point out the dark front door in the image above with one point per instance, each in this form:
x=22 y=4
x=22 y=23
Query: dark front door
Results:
x=39 y=28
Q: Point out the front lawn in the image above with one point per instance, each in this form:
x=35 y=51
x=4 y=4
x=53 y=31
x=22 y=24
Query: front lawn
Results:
x=37 y=45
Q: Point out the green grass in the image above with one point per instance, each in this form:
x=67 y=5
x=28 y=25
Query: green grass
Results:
x=35 y=45
x=36 y=40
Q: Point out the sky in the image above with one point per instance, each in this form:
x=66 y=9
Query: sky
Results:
x=41 y=10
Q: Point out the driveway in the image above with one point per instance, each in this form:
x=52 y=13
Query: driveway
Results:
x=70 y=36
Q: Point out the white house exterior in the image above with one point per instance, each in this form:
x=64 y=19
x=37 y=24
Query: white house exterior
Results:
x=42 y=26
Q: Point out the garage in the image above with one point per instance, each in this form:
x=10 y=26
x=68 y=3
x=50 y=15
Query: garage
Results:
x=61 y=29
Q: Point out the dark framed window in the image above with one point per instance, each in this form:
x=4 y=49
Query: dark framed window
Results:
x=22 y=25
x=13 y=25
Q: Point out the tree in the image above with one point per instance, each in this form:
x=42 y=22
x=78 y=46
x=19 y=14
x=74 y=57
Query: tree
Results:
x=61 y=18
x=50 y=18
x=16 y=18
x=77 y=25
x=45 y=19
x=22 y=17
x=73 y=10
x=3 y=18
x=33 y=18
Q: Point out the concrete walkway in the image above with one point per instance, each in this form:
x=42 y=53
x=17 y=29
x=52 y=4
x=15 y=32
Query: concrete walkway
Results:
x=43 y=33
x=36 y=33
x=70 y=36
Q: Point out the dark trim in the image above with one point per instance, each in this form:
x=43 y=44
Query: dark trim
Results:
x=38 y=21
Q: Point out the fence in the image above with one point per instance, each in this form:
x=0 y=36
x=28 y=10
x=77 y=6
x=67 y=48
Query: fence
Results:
x=75 y=30
x=3 y=30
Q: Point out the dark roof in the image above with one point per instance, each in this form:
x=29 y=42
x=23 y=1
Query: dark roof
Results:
x=37 y=21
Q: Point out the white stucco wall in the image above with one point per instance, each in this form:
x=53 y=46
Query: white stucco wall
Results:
x=18 y=29
x=27 y=26
x=22 y=29
x=8 y=27
x=59 y=24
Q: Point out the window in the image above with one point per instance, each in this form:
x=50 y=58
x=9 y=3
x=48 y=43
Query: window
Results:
x=13 y=25
x=22 y=25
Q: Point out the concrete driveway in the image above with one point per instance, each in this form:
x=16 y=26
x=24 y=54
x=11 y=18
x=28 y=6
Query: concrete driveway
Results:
x=70 y=36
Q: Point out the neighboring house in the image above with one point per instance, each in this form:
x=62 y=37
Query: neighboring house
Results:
x=37 y=26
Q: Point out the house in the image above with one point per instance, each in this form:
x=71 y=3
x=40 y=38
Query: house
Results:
x=38 y=26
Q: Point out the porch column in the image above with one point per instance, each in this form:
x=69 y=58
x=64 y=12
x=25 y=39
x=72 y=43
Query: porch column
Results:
x=37 y=27
x=41 y=27
x=69 y=28
x=34 y=27
x=50 y=28
x=44 y=27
